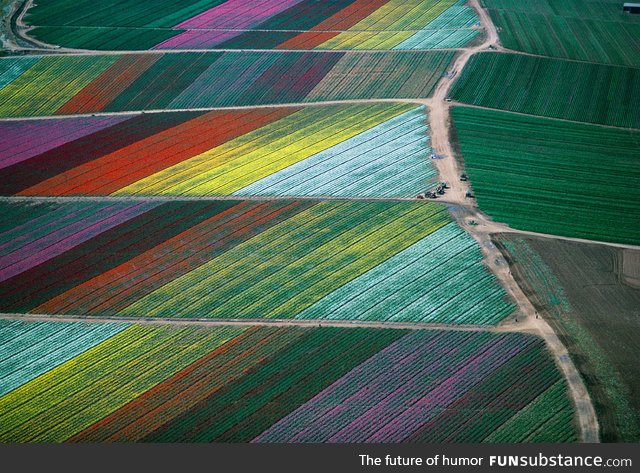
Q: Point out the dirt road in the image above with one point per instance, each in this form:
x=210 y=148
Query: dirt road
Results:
x=526 y=319
x=251 y=322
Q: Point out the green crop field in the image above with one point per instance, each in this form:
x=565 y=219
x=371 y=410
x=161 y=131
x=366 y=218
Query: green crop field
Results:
x=131 y=13
x=551 y=176
x=592 y=31
x=594 y=93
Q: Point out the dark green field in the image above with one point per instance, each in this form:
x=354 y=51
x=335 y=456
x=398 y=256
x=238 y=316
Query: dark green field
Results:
x=128 y=13
x=552 y=176
x=594 y=31
x=593 y=93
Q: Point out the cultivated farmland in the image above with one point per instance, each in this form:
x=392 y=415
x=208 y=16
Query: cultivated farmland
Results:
x=165 y=384
x=552 y=176
x=590 y=296
x=111 y=83
x=591 y=31
x=594 y=93
x=235 y=259
x=270 y=24
x=216 y=221
x=370 y=150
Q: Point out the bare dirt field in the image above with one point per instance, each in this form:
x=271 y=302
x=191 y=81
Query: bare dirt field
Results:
x=582 y=291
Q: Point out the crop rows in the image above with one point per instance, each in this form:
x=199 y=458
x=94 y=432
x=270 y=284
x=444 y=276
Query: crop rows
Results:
x=275 y=277
x=235 y=259
x=584 y=39
x=149 y=13
x=75 y=394
x=102 y=38
x=47 y=84
x=390 y=159
x=340 y=150
x=597 y=31
x=281 y=24
x=304 y=138
x=578 y=91
x=464 y=286
x=28 y=350
x=551 y=176
x=401 y=395
x=266 y=384
x=601 y=9
x=82 y=84
x=43 y=238
x=171 y=232
x=20 y=141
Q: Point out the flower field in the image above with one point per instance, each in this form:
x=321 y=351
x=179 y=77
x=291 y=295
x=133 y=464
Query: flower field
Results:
x=54 y=85
x=244 y=259
x=551 y=176
x=579 y=91
x=272 y=384
x=375 y=150
x=267 y=24
x=29 y=350
x=572 y=29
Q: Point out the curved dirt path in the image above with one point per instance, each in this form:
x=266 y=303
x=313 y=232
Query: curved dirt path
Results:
x=20 y=31
x=439 y=110
x=527 y=319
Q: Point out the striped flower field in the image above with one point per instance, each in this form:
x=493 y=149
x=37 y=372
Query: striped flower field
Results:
x=65 y=85
x=267 y=24
x=395 y=261
x=135 y=383
x=376 y=150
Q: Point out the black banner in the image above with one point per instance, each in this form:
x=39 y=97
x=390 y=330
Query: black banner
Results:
x=323 y=458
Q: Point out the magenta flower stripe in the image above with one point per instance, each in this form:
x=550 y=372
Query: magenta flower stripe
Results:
x=22 y=140
x=396 y=392
x=238 y=14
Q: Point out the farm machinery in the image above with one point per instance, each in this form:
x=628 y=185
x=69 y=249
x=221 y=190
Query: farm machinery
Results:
x=434 y=193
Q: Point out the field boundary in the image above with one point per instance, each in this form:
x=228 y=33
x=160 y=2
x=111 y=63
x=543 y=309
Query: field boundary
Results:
x=253 y=322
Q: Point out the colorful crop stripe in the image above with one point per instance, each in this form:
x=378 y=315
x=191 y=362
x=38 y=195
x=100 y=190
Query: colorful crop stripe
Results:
x=285 y=384
x=395 y=261
x=28 y=350
x=65 y=85
x=374 y=150
x=264 y=24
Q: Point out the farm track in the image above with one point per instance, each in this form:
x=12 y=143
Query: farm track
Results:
x=90 y=52
x=526 y=320
x=253 y=322
x=19 y=29
x=249 y=30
